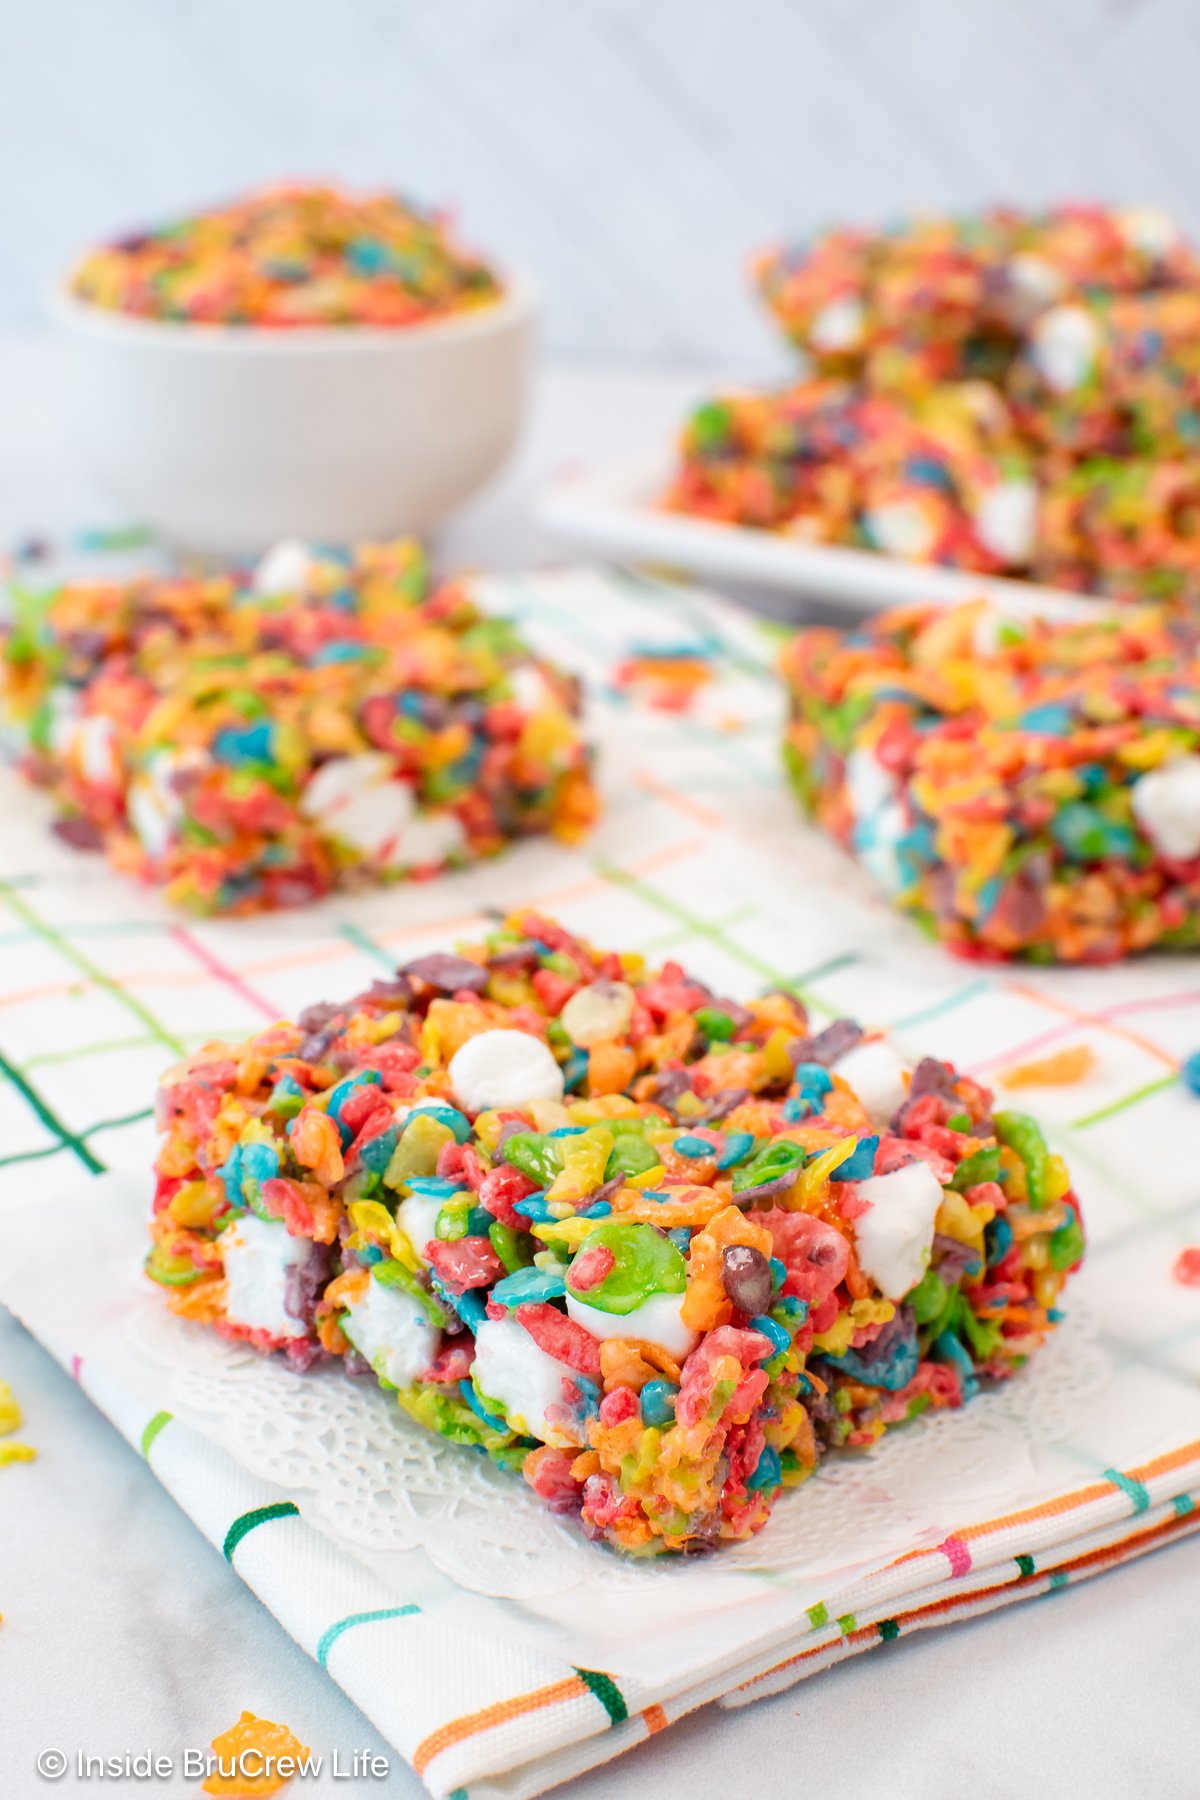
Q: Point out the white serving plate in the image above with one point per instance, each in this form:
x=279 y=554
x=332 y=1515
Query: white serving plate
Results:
x=613 y=509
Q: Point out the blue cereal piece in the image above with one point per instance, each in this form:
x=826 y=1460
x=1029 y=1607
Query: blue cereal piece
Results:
x=813 y=1078
x=599 y=1209
x=528 y=1284
x=768 y=1472
x=681 y=1237
x=568 y=1131
x=658 y=1403
x=467 y=1389
x=738 y=1146
x=1190 y=1073
x=953 y=1352
x=779 y=1337
x=692 y=1146
x=237 y=745
x=860 y=1164
x=533 y=1206
x=376 y=1153
x=470 y=1305
x=778 y=1273
x=434 y=1187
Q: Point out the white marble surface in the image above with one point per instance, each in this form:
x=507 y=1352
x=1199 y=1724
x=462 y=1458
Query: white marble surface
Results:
x=124 y=1630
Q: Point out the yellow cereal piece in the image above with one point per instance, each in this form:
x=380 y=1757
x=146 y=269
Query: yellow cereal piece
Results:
x=373 y=1220
x=10 y=1411
x=15 y=1453
x=814 y=1176
x=569 y=1232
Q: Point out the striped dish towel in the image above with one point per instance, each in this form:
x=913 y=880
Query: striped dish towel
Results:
x=700 y=857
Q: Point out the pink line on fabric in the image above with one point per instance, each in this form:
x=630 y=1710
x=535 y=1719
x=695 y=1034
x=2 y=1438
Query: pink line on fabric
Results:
x=76 y=1366
x=217 y=968
x=958 y=1554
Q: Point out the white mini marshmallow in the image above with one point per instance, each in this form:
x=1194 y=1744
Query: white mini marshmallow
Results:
x=417 y=1219
x=1148 y=228
x=595 y=1013
x=1006 y=520
x=284 y=569
x=430 y=838
x=95 y=744
x=359 y=800
x=1166 y=804
x=900 y=528
x=504 y=1068
x=257 y=1254
x=876 y=1071
x=391 y=1328
x=868 y=784
x=838 y=326
x=656 y=1321
x=153 y=805
x=1035 y=285
x=1063 y=346
x=510 y=1368
x=895 y=1237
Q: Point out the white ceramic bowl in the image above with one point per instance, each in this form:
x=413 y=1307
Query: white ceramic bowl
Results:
x=224 y=438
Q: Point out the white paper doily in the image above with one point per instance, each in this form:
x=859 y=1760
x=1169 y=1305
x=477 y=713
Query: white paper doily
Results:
x=381 y=1483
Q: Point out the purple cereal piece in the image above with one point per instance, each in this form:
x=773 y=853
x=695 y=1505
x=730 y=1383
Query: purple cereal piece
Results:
x=304 y=1354
x=515 y=958
x=729 y=1101
x=932 y=1077
x=81 y=834
x=605 y=1192
x=951 y=1259
x=746 y=1278
x=317 y=1016
x=448 y=974
x=767 y=1190
x=356 y=1365
x=828 y=1045
x=306 y=1282
x=669 y=1085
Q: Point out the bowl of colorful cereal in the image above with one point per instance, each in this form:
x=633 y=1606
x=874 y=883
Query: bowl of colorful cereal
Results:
x=306 y=361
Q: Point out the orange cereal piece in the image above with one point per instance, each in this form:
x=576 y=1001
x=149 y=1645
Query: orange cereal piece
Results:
x=1060 y=1070
x=611 y=1068
x=255 y=1746
x=317 y=1144
x=203 y=1300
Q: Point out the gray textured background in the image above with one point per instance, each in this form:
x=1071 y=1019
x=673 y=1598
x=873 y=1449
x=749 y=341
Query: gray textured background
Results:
x=631 y=152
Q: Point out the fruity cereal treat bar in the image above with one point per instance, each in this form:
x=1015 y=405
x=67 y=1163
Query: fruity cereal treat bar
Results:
x=655 y=1248
x=1025 y=789
x=337 y=719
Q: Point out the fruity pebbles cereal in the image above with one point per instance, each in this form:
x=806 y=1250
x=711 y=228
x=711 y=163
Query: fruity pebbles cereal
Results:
x=291 y=255
x=654 y=1248
x=333 y=720
x=1025 y=789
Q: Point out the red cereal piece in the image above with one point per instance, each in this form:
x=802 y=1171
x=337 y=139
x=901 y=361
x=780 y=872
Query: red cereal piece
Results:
x=499 y=1191
x=560 y=1337
x=590 y=1269
x=1187 y=1267
x=466 y=1262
